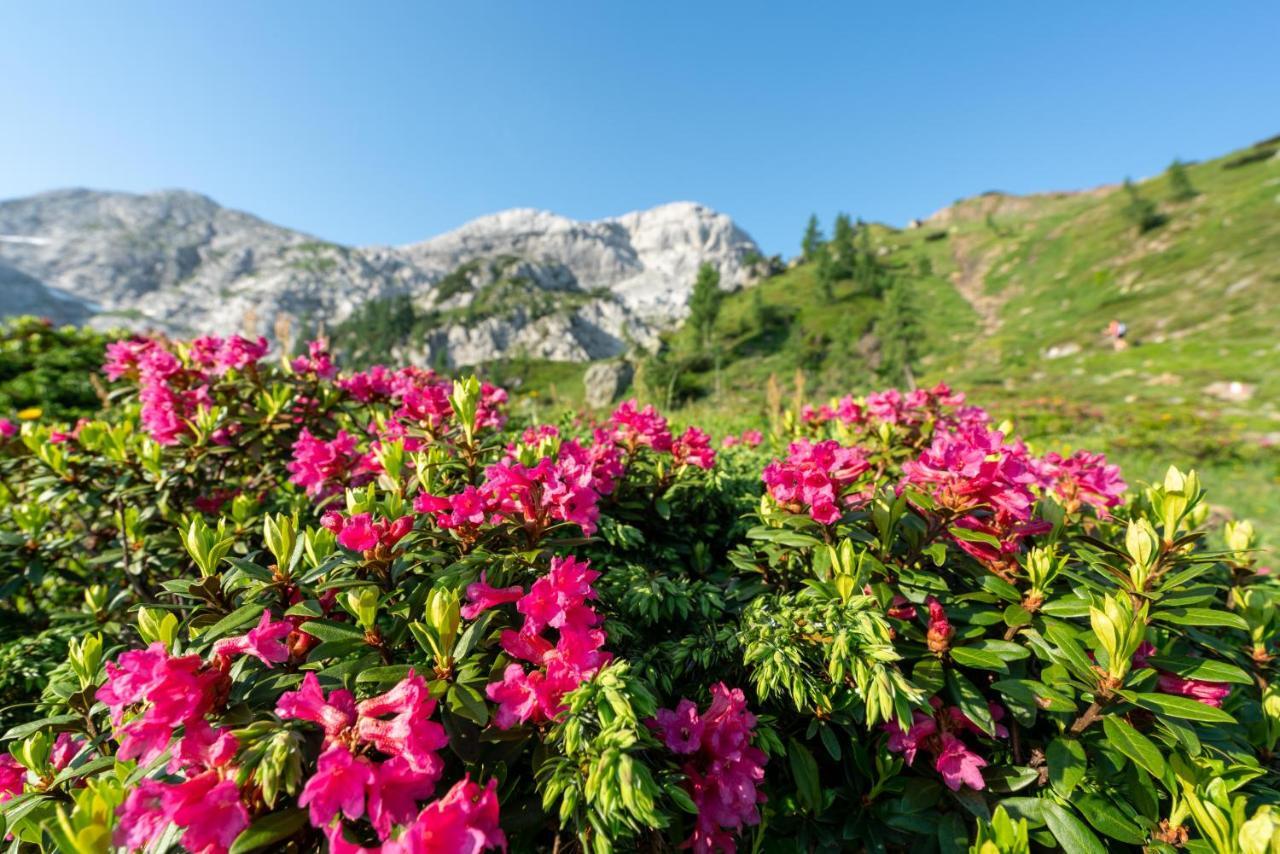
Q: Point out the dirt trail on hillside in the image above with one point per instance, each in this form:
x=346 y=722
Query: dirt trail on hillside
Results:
x=970 y=280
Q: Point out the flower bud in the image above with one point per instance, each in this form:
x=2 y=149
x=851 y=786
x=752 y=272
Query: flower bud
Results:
x=1240 y=538
x=363 y=604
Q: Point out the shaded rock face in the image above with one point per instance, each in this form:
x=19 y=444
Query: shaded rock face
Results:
x=605 y=382
x=22 y=294
x=178 y=262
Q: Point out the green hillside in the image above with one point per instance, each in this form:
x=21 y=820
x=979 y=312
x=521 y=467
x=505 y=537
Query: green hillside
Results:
x=1012 y=297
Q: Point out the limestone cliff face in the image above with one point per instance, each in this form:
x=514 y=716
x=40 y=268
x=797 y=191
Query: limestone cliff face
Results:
x=179 y=262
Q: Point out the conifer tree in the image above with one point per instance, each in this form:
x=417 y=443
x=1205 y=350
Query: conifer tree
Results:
x=899 y=331
x=1180 y=187
x=1141 y=211
x=813 y=238
x=704 y=303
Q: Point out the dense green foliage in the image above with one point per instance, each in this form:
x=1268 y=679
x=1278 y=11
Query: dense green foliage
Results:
x=49 y=369
x=914 y=633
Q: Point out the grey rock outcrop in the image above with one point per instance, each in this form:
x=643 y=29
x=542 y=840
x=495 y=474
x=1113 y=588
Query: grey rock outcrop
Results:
x=179 y=262
x=605 y=382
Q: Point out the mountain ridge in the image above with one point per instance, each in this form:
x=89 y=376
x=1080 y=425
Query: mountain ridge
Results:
x=178 y=261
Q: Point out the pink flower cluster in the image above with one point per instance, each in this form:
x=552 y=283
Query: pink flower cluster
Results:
x=325 y=468
x=563 y=488
x=422 y=396
x=1209 y=693
x=226 y=354
x=939 y=405
x=815 y=477
x=557 y=601
x=1082 y=478
x=722 y=771
x=986 y=483
x=317 y=362
x=464 y=821
x=379 y=757
x=172 y=692
x=749 y=439
x=360 y=532
x=939 y=734
x=635 y=428
x=267 y=641
x=171 y=391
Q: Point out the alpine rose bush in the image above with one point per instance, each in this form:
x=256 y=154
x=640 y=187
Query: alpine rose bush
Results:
x=305 y=609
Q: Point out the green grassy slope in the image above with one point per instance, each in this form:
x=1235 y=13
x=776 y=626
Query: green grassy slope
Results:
x=1015 y=294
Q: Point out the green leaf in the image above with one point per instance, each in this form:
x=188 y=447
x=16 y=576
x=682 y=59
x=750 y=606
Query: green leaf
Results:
x=243 y=615
x=1108 y=820
x=970 y=700
x=1202 y=669
x=1067 y=764
x=1180 y=707
x=805 y=770
x=327 y=630
x=469 y=703
x=1016 y=615
x=1068 y=651
x=1007 y=650
x=971 y=536
x=389 y=673
x=1201 y=617
x=26 y=729
x=1070 y=606
x=268 y=830
x=1072 y=834
x=1134 y=745
x=1032 y=693
x=970 y=657
x=1001 y=588
x=928 y=675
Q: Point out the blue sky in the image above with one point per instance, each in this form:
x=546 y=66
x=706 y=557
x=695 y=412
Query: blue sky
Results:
x=387 y=123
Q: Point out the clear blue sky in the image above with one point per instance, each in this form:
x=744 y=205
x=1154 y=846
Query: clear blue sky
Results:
x=388 y=123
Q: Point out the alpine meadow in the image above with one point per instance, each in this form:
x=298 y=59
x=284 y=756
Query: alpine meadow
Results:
x=624 y=534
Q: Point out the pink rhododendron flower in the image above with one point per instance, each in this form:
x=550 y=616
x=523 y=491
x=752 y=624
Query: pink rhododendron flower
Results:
x=65 y=748
x=323 y=468
x=815 y=477
x=681 y=729
x=202 y=747
x=317 y=361
x=211 y=811
x=13 y=777
x=938 y=734
x=464 y=821
x=142 y=817
x=338 y=786
x=172 y=691
x=396 y=724
x=752 y=438
x=1084 y=478
x=481 y=597
x=635 y=427
x=958 y=765
x=334 y=714
x=723 y=771
x=907 y=743
x=207 y=806
x=557 y=600
x=694 y=448
x=361 y=533
x=265 y=642
x=1209 y=693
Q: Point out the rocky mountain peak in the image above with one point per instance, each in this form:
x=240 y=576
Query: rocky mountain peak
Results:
x=178 y=261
